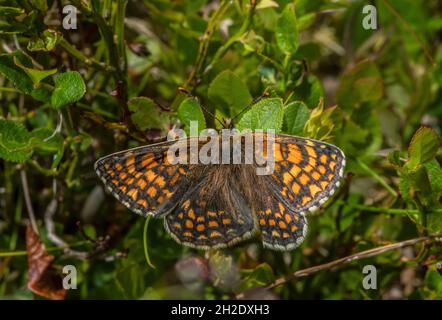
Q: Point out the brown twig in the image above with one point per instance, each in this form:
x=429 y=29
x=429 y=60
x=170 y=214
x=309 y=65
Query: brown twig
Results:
x=341 y=261
x=28 y=202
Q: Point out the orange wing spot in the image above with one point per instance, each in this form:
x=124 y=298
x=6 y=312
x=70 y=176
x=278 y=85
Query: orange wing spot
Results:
x=278 y=154
x=202 y=237
x=160 y=181
x=311 y=152
x=150 y=175
x=322 y=169
x=177 y=225
x=200 y=227
x=287 y=218
x=304 y=179
x=282 y=224
x=268 y=211
x=180 y=215
x=186 y=204
x=142 y=183
x=296 y=187
x=215 y=234
x=227 y=221
x=200 y=219
x=278 y=215
x=324 y=184
x=133 y=194
x=323 y=158
x=188 y=234
x=189 y=224
x=262 y=222
x=213 y=224
x=284 y=191
x=276 y=234
x=123 y=189
x=295 y=170
x=332 y=165
x=272 y=222
x=316 y=175
x=130 y=161
x=331 y=176
x=142 y=202
x=167 y=193
x=130 y=181
x=333 y=156
x=174 y=179
x=160 y=199
x=146 y=162
x=123 y=175
x=181 y=170
x=211 y=213
x=281 y=207
x=287 y=177
x=294 y=228
x=312 y=162
x=309 y=143
x=308 y=168
x=305 y=200
x=118 y=166
x=285 y=235
x=314 y=189
x=152 y=192
x=191 y=214
x=295 y=155
x=112 y=173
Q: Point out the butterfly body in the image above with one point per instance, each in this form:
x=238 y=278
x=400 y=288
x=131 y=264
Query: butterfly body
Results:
x=217 y=204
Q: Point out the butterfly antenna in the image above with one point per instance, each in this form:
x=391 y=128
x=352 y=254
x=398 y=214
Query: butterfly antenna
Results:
x=188 y=93
x=263 y=95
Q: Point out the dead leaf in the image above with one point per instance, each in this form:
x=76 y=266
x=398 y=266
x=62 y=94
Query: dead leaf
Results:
x=43 y=278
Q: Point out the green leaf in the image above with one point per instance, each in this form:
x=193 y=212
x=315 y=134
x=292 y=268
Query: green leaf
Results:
x=262 y=275
x=16 y=144
x=228 y=92
x=69 y=88
x=265 y=114
x=190 y=110
x=321 y=124
x=423 y=147
x=46 y=141
x=45 y=42
x=309 y=91
x=287 y=31
x=296 y=115
x=361 y=84
x=35 y=74
x=13 y=73
x=146 y=114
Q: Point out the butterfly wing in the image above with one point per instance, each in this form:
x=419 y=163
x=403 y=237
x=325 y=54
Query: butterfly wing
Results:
x=143 y=179
x=307 y=172
x=211 y=217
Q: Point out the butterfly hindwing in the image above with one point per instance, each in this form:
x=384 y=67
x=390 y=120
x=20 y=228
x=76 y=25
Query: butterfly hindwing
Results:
x=206 y=218
x=281 y=227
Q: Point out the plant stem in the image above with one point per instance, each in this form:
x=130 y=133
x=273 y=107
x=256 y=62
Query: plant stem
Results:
x=146 y=252
x=377 y=177
x=51 y=249
x=80 y=56
x=244 y=27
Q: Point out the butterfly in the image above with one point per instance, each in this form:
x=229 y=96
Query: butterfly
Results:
x=216 y=205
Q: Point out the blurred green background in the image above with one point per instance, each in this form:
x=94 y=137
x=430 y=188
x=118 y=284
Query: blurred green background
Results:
x=70 y=96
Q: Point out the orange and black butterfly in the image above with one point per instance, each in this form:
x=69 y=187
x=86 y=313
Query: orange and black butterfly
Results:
x=209 y=206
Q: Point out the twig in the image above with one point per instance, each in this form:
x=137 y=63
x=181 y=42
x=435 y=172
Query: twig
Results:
x=411 y=30
x=29 y=208
x=204 y=44
x=341 y=261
